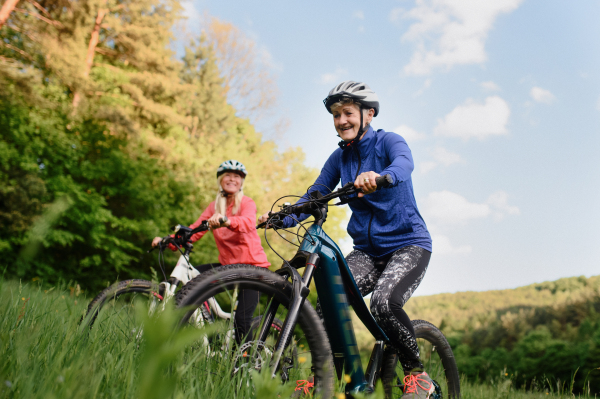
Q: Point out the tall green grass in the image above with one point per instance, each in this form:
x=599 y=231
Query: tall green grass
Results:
x=45 y=353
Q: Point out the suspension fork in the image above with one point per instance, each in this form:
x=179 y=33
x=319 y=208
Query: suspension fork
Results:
x=299 y=294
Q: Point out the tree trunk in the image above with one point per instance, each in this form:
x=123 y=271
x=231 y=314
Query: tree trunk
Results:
x=89 y=59
x=6 y=10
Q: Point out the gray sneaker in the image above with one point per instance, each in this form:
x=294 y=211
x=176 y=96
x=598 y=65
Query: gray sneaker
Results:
x=418 y=385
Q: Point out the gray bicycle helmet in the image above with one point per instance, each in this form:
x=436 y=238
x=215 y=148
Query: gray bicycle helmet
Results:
x=232 y=166
x=360 y=92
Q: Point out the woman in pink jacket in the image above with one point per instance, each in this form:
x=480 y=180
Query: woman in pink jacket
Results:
x=237 y=240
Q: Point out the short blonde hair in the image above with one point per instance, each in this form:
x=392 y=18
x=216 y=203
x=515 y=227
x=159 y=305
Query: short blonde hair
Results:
x=345 y=101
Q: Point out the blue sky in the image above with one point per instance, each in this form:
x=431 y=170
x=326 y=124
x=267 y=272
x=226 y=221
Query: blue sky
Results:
x=499 y=102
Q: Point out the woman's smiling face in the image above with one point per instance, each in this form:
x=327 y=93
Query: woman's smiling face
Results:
x=346 y=119
x=231 y=182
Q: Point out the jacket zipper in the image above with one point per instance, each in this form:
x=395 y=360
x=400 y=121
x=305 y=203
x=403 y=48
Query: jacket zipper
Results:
x=359 y=162
x=369 y=231
x=372 y=214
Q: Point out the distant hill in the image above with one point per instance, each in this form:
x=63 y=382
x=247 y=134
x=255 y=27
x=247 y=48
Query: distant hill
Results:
x=453 y=312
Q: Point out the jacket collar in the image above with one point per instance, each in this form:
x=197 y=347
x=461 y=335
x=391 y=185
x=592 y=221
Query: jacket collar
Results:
x=366 y=144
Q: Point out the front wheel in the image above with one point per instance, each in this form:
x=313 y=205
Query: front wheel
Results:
x=115 y=305
x=437 y=358
x=307 y=355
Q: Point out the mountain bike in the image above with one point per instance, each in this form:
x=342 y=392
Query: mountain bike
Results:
x=114 y=307
x=332 y=339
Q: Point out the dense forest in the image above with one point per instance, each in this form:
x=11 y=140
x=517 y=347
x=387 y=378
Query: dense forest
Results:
x=540 y=334
x=109 y=136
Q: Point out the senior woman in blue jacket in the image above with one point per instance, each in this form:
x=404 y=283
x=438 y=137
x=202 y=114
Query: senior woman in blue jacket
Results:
x=392 y=245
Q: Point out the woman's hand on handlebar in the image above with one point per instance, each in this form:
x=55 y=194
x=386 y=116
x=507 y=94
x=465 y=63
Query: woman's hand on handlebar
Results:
x=215 y=221
x=366 y=182
x=156 y=241
x=263 y=218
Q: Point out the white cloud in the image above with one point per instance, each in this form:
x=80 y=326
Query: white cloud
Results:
x=442 y=157
x=190 y=11
x=265 y=57
x=490 y=86
x=542 y=95
x=426 y=86
x=409 y=134
x=446 y=157
x=427 y=166
x=359 y=14
x=473 y=120
x=396 y=14
x=334 y=77
x=498 y=202
x=443 y=246
x=448 y=208
x=450 y=32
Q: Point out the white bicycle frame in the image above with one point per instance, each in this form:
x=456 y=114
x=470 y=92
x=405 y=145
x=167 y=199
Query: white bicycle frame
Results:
x=184 y=272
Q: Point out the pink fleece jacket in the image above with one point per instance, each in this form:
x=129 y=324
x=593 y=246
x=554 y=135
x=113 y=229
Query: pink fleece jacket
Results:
x=238 y=243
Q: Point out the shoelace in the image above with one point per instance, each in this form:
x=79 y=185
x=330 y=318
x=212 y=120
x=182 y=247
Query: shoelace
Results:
x=411 y=382
x=304 y=385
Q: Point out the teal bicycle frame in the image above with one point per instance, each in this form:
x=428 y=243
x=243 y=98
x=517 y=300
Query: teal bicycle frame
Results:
x=337 y=290
x=323 y=260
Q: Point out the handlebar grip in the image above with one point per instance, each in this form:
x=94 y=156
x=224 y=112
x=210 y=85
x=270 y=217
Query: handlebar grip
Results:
x=384 y=181
x=261 y=225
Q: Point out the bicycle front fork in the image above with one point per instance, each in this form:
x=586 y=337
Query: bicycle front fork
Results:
x=300 y=292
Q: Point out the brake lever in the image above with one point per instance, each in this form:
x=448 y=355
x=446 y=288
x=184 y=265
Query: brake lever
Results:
x=272 y=219
x=162 y=244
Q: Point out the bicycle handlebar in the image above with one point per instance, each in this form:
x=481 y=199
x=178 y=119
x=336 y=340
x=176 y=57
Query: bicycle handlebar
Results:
x=183 y=234
x=306 y=207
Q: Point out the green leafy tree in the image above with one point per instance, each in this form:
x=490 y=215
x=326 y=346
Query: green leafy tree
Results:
x=97 y=113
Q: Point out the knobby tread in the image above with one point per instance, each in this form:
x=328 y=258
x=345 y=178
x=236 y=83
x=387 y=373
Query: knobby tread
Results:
x=210 y=274
x=428 y=331
x=132 y=285
x=252 y=277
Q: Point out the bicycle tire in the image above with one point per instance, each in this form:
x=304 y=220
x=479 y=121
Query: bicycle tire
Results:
x=115 y=291
x=434 y=341
x=225 y=278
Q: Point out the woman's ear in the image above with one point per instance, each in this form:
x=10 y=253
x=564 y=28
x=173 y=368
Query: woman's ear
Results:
x=369 y=116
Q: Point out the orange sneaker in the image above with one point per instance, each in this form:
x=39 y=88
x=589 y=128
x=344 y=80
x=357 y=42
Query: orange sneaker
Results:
x=418 y=385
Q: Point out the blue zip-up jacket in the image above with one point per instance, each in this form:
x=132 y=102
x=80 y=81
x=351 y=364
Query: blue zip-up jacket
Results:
x=388 y=219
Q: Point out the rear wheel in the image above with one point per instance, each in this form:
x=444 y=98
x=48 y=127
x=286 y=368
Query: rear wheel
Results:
x=437 y=358
x=115 y=305
x=307 y=355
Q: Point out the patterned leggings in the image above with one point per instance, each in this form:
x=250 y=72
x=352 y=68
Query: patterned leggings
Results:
x=392 y=281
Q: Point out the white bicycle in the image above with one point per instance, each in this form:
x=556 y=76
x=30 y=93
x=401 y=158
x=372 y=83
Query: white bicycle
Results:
x=114 y=307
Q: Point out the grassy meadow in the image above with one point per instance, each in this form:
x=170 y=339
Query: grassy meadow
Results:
x=46 y=354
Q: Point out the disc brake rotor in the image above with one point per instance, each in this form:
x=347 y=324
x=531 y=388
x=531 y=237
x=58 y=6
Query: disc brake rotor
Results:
x=251 y=356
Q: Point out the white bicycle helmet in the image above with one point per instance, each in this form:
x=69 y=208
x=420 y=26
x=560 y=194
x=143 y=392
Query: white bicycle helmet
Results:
x=360 y=92
x=232 y=166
